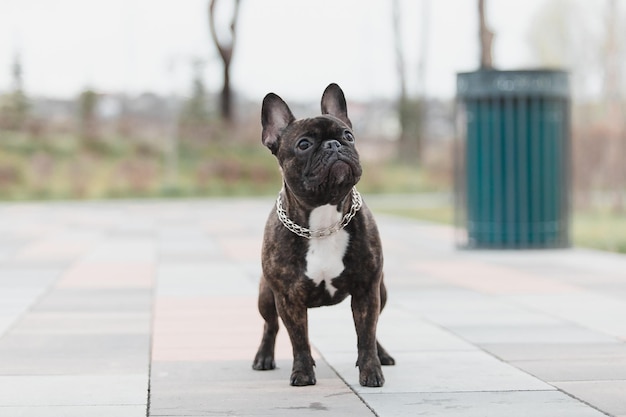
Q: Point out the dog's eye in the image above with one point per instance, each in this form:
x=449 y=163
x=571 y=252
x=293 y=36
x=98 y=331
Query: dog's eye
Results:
x=347 y=135
x=303 y=144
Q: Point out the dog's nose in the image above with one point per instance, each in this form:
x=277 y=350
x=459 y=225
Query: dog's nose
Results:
x=332 y=145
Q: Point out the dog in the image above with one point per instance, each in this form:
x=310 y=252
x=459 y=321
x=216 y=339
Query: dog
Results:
x=321 y=242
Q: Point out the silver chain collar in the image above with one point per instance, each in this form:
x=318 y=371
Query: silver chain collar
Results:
x=357 y=203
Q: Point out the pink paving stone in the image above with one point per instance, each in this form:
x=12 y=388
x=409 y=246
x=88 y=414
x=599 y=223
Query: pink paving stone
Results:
x=491 y=279
x=108 y=275
x=209 y=328
x=242 y=347
x=192 y=324
x=51 y=250
x=204 y=334
x=242 y=249
x=195 y=305
x=200 y=354
x=213 y=314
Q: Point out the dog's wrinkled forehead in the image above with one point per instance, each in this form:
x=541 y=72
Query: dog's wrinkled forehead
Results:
x=320 y=127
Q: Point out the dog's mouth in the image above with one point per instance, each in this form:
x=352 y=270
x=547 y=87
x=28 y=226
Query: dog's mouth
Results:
x=335 y=166
x=340 y=174
x=340 y=171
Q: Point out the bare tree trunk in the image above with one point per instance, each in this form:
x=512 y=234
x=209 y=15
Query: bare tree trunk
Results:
x=400 y=65
x=485 y=37
x=226 y=106
x=423 y=53
x=401 y=74
x=225 y=50
x=614 y=115
x=409 y=111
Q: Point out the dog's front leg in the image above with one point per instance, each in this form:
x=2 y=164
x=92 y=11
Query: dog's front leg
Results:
x=294 y=316
x=365 y=310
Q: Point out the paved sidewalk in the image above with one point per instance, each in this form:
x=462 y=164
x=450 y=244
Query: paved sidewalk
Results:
x=124 y=309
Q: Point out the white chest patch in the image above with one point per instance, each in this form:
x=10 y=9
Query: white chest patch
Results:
x=324 y=259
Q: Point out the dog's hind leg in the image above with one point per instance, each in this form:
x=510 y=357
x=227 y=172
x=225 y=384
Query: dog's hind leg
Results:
x=264 y=358
x=385 y=358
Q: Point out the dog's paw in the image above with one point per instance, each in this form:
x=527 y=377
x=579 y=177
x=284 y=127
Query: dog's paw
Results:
x=301 y=379
x=371 y=376
x=386 y=359
x=263 y=362
x=302 y=373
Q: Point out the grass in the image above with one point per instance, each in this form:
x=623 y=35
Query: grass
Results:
x=443 y=214
x=600 y=229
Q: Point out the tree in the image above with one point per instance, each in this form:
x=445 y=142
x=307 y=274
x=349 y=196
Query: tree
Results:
x=486 y=38
x=195 y=109
x=614 y=112
x=87 y=115
x=16 y=106
x=410 y=110
x=194 y=116
x=225 y=49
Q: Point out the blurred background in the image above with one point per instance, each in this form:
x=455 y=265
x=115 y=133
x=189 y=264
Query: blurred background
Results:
x=161 y=98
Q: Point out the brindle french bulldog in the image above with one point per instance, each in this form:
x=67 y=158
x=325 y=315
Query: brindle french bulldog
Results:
x=321 y=242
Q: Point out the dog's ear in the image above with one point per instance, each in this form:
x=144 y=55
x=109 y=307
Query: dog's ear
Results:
x=334 y=103
x=275 y=117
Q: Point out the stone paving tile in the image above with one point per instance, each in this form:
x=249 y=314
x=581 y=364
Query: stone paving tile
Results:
x=595 y=311
x=605 y=395
x=578 y=369
x=96 y=300
x=442 y=306
x=73 y=390
x=491 y=279
x=108 y=275
x=559 y=351
x=209 y=328
x=6 y=321
x=496 y=316
x=123 y=250
x=84 y=323
x=563 y=333
x=69 y=354
x=604 y=265
x=446 y=299
x=11 y=277
x=6 y=252
x=241 y=248
x=50 y=250
x=205 y=279
x=612 y=289
x=187 y=250
x=75 y=411
x=479 y=404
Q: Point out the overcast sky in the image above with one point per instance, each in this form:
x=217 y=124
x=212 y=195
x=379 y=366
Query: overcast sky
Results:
x=292 y=47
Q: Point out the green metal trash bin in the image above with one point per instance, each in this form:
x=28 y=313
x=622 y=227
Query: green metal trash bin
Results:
x=513 y=172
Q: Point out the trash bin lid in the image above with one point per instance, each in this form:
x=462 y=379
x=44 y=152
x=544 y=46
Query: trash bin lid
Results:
x=496 y=83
